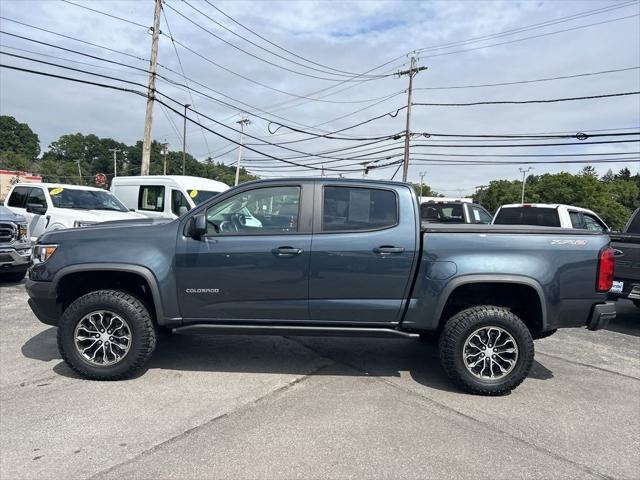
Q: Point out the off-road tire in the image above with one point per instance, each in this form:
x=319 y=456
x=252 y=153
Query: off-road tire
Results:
x=456 y=331
x=540 y=335
x=136 y=314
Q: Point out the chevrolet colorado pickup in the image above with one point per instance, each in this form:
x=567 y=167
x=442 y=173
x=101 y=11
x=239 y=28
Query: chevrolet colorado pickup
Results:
x=626 y=249
x=319 y=257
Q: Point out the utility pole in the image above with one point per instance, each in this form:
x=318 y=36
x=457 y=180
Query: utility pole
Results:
x=184 y=138
x=79 y=171
x=422 y=174
x=524 y=172
x=115 y=165
x=242 y=122
x=165 y=148
x=412 y=72
x=151 y=93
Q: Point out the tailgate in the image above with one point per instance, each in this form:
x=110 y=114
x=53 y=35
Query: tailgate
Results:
x=627 y=250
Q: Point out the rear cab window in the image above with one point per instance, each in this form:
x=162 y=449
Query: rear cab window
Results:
x=358 y=209
x=544 y=217
x=442 y=212
x=18 y=198
x=151 y=198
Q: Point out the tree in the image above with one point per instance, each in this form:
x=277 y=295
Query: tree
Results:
x=426 y=190
x=498 y=193
x=18 y=138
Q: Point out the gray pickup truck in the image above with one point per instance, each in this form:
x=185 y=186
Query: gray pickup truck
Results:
x=15 y=246
x=319 y=257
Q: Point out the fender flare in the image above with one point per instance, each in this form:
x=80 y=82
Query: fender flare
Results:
x=139 y=270
x=511 y=279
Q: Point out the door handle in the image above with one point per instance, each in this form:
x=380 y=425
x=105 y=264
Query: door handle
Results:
x=618 y=253
x=385 y=249
x=286 y=251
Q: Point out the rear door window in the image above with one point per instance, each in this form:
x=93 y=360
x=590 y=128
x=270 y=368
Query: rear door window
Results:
x=479 y=215
x=151 y=198
x=545 y=217
x=18 y=197
x=358 y=209
x=576 y=220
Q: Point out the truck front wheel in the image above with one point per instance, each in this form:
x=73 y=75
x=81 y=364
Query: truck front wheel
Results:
x=486 y=350
x=106 y=335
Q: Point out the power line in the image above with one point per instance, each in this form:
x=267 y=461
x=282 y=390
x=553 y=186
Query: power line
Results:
x=184 y=76
x=146 y=27
x=350 y=75
x=278 y=46
x=510 y=102
x=548 y=79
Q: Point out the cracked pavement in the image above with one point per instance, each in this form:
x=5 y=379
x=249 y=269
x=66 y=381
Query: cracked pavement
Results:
x=303 y=407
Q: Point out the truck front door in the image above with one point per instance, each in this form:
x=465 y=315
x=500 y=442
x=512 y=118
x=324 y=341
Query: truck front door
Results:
x=253 y=263
x=364 y=246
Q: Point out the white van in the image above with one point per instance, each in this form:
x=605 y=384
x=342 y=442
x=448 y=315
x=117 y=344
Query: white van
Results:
x=52 y=206
x=165 y=196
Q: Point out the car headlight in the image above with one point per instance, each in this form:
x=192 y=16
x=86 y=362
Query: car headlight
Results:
x=80 y=223
x=23 y=231
x=42 y=253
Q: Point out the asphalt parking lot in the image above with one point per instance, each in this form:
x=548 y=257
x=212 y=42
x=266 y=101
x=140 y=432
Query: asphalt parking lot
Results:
x=275 y=407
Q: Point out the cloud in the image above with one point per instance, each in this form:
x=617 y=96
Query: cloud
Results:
x=346 y=36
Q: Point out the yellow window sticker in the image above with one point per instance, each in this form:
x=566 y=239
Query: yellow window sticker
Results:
x=193 y=193
x=55 y=191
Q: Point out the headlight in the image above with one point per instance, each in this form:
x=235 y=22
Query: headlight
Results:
x=23 y=231
x=42 y=253
x=80 y=223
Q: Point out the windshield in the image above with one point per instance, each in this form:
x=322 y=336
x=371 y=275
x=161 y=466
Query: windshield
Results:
x=85 y=199
x=201 y=196
x=442 y=212
x=544 y=217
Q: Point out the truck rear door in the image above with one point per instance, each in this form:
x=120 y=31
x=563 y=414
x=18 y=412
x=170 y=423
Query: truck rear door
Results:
x=365 y=239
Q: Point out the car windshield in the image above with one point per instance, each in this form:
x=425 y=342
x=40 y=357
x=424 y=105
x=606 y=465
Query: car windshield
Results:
x=201 y=196
x=85 y=199
x=545 y=217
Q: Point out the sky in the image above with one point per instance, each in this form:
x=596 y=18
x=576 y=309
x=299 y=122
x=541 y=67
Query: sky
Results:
x=461 y=44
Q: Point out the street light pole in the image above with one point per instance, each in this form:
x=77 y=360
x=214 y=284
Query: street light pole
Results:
x=184 y=138
x=115 y=165
x=524 y=172
x=422 y=174
x=243 y=122
x=165 y=148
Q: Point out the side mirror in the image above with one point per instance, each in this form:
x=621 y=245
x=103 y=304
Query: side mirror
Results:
x=182 y=210
x=36 y=208
x=197 y=226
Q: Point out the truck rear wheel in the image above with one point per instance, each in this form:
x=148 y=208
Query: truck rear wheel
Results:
x=486 y=350
x=106 y=335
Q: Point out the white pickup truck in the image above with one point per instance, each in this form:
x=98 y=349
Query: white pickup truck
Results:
x=49 y=206
x=549 y=215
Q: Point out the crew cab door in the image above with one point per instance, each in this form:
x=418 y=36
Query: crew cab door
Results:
x=253 y=262
x=364 y=245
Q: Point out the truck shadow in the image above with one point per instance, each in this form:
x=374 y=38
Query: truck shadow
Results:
x=382 y=358
x=627 y=319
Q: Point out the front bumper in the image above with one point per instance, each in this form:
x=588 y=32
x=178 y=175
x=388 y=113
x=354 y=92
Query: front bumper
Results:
x=12 y=260
x=43 y=302
x=602 y=314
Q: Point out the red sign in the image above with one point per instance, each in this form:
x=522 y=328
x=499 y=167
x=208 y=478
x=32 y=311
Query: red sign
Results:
x=101 y=179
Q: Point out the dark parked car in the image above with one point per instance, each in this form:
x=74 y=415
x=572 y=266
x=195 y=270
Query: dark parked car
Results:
x=626 y=247
x=352 y=259
x=15 y=246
